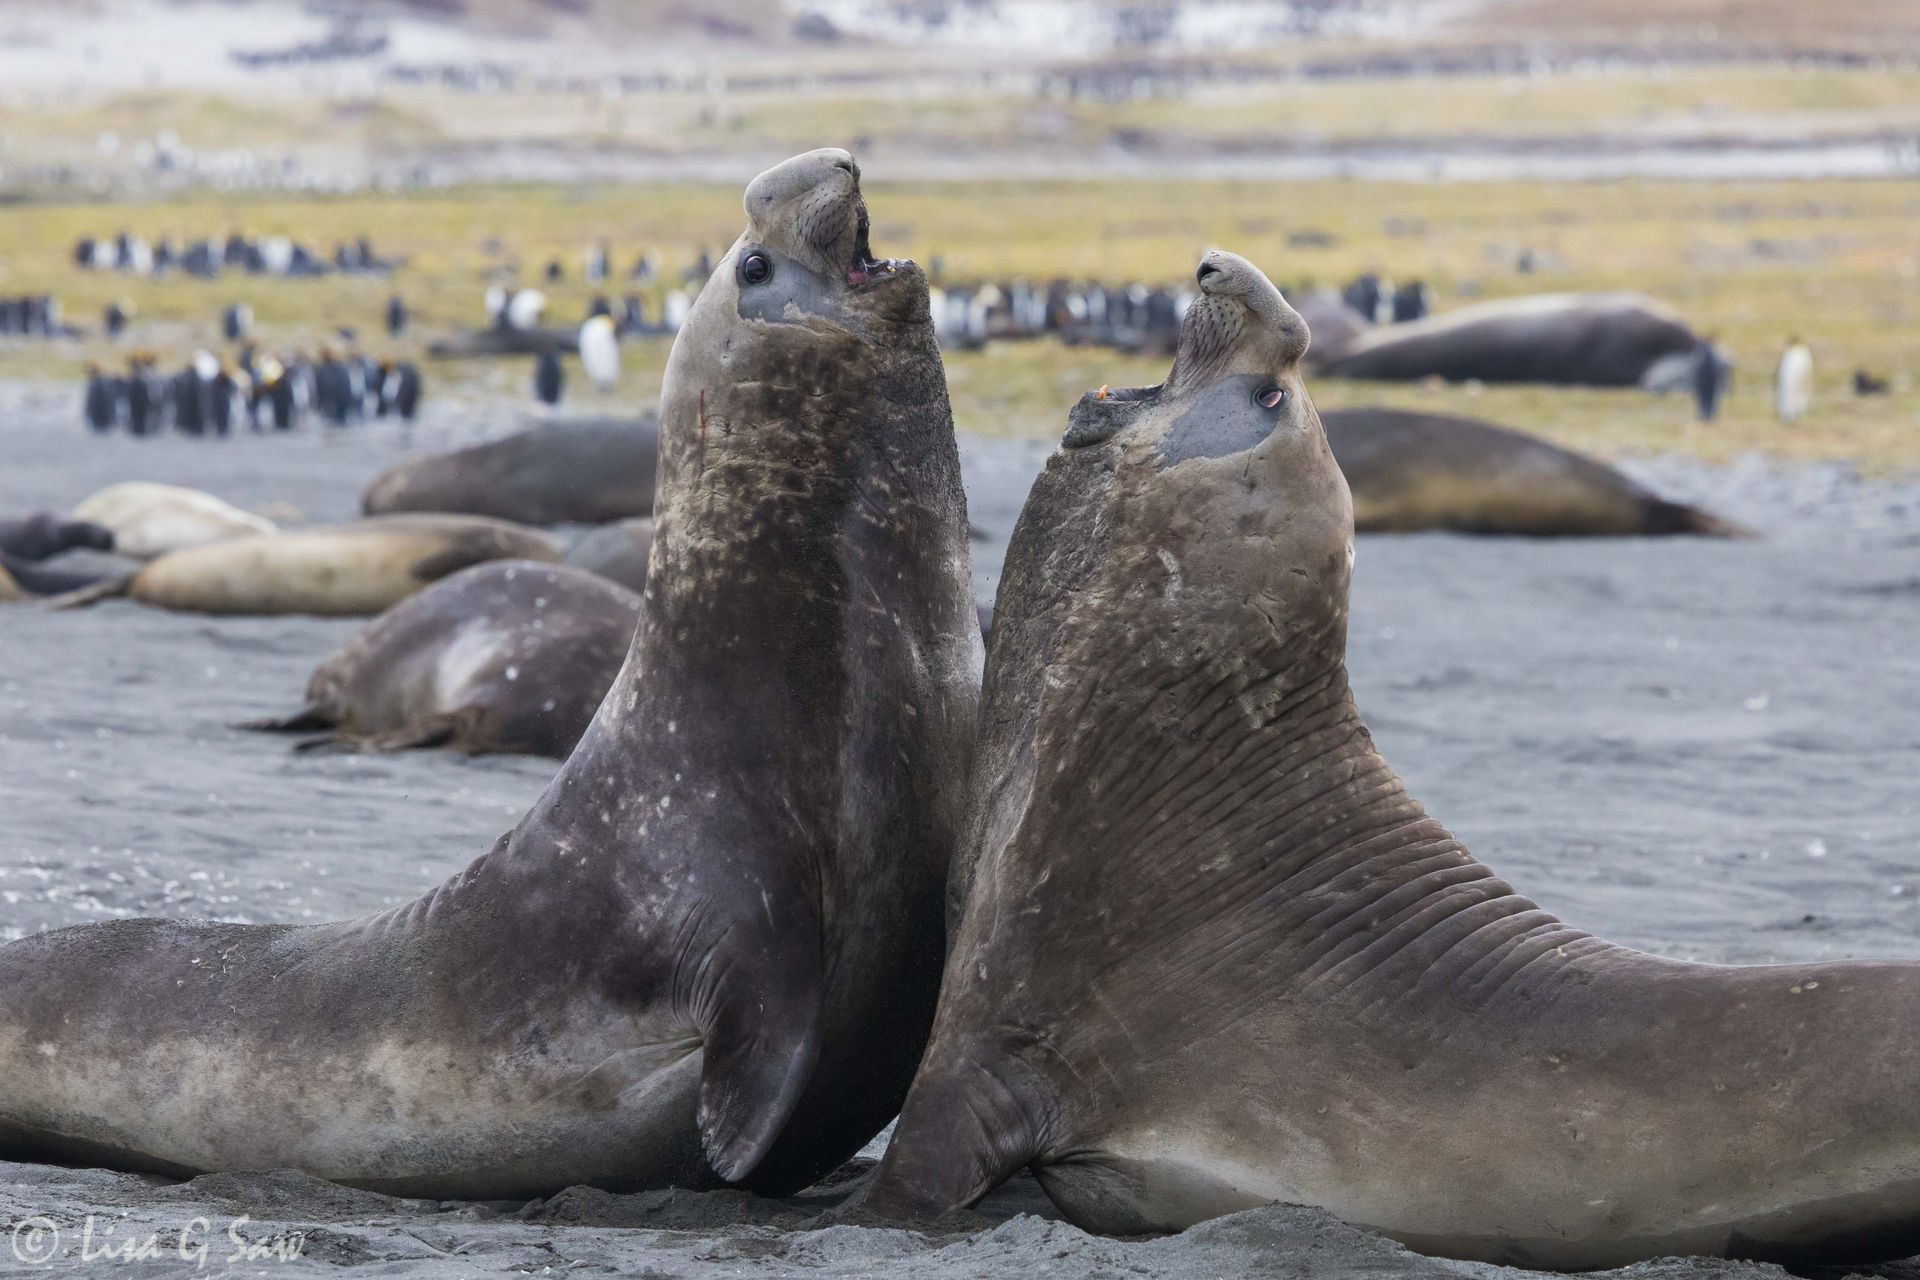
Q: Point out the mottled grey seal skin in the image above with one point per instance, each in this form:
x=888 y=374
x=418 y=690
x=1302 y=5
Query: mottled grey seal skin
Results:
x=1571 y=339
x=1213 y=955
x=512 y=656
x=44 y=535
x=27 y=541
x=584 y=472
x=617 y=551
x=713 y=946
x=1416 y=471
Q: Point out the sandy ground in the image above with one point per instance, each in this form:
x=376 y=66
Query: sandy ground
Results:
x=1699 y=748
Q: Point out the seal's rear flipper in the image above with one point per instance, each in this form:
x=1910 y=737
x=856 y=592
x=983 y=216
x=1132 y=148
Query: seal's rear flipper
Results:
x=1678 y=518
x=966 y=1128
x=106 y=589
x=759 y=1019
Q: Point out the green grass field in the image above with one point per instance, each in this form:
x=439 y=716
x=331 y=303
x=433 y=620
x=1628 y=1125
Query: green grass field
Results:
x=1838 y=263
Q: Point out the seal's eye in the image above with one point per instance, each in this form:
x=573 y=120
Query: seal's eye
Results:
x=1270 y=397
x=756 y=268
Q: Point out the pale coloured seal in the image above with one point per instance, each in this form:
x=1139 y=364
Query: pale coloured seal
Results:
x=719 y=929
x=149 y=520
x=1415 y=471
x=1579 y=339
x=349 y=570
x=581 y=472
x=512 y=655
x=1212 y=954
x=618 y=551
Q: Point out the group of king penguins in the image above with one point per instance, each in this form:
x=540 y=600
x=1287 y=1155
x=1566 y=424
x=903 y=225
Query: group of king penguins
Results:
x=208 y=258
x=255 y=391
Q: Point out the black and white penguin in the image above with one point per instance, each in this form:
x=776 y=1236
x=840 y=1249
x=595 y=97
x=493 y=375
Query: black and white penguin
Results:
x=400 y=390
x=236 y=322
x=114 y=319
x=396 y=316
x=103 y=400
x=549 y=378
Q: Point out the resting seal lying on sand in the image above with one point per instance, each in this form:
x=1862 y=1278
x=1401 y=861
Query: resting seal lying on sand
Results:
x=1581 y=339
x=149 y=520
x=1414 y=471
x=713 y=946
x=514 y=655
x=585 y=472
x=1212 y=954
x=349 y=570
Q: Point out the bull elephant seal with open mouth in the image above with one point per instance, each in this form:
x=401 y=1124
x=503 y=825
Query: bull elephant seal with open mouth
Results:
x=1211 y=954
x=712 y=949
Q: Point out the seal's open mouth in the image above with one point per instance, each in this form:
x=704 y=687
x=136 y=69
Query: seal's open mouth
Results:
x=865 y=269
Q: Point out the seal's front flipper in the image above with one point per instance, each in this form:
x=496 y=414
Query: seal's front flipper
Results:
x=757 y=1003
x=972 y=1120
x=311 y=718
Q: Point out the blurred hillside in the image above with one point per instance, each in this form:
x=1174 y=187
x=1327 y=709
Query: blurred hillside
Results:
x=125 y=97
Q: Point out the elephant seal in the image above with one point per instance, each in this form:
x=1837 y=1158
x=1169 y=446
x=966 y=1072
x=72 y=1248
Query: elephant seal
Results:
x=581 y=472
x=713 y=947
x=1415 y=471
x=349 y=570
x=1570 y=339
x=618 y=551
x=1211 y=953
x=513 y=655
x=27 y=541
x=43 y=535
x=150 y=520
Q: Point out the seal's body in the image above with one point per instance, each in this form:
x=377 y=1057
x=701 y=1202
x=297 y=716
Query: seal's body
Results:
x=617 y=551
x=349 y=570
x=512 y=655
x=586 y=472
x=1211 y=954
x=1417 y=471
x=1576 y=339
x=149 y=520
x=712 y=948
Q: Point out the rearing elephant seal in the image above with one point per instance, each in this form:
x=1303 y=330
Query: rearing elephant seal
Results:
x=713 y=946
x=1213 y=955
x=1415 y=471
x=349 y=570
x=586 y=472
x=508 y=656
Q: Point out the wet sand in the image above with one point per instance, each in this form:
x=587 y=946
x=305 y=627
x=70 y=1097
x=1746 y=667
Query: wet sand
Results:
x=1698 y=748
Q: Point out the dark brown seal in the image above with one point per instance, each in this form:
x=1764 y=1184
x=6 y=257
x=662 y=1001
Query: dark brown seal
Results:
x=1213 y=955
x=712 y=948
x=514 y=655
x=584 y=472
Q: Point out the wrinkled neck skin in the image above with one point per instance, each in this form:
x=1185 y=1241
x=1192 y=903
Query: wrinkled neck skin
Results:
x=1170 y=648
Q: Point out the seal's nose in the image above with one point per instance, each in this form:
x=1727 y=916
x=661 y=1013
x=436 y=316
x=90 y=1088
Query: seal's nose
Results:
x=1208 y=267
